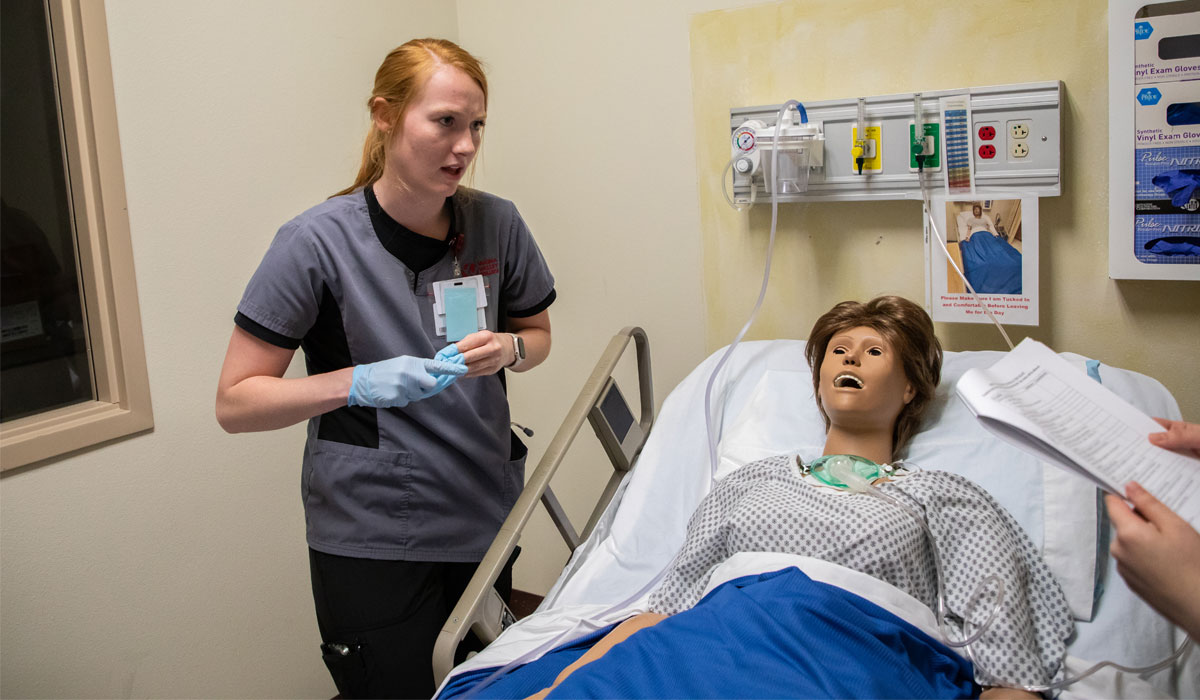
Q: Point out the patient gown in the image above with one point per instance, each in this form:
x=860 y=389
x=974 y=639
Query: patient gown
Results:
x=768 y=506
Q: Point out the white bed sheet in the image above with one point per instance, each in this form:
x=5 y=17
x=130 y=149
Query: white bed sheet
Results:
x=763 y=404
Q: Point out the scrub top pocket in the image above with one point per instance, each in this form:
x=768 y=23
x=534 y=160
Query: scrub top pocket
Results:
x=355 y=492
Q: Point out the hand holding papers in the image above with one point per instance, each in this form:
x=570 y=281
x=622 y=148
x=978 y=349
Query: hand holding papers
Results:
x=1039 y=402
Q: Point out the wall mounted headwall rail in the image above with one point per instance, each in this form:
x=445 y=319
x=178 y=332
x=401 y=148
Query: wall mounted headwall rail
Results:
x=1037 y=171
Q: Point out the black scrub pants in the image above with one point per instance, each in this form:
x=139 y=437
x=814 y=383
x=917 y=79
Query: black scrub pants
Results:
x=379 y=620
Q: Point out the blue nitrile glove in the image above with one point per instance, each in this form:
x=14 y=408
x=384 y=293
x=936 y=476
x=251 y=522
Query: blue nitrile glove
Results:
x=1178 y=184
x=449 y=354
x=398 y=381
x=1175 y=245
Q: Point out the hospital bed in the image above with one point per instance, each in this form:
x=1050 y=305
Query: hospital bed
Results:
x=762 y=405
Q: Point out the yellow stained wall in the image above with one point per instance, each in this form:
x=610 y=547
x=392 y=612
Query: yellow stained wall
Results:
x=825 y=252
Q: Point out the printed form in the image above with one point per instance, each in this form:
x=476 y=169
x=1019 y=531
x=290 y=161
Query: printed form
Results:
x=1040 y=402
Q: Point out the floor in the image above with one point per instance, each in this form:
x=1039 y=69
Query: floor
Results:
x=523 y=603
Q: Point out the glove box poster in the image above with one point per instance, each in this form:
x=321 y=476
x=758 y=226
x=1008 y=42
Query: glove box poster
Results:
x=1167 y=173
x=1155 y=186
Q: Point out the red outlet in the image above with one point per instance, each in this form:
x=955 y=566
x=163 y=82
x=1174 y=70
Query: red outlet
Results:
x=987 y=133
x=987 y=150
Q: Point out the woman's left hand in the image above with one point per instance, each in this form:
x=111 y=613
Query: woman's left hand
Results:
x=486 y=352
x=1158 y=555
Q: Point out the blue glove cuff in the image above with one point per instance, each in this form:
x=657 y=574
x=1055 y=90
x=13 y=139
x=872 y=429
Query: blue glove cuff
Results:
x=401 y=380
x=358 y=386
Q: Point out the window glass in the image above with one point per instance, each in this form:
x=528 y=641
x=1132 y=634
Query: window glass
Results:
x=44 y=356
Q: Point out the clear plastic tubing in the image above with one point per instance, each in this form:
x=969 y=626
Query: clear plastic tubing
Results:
x=708 y=421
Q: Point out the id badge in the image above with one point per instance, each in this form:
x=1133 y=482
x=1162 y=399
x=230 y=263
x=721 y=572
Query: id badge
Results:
x=459 y=307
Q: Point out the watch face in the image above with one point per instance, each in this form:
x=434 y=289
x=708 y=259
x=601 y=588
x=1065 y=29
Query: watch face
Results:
x=520 y=346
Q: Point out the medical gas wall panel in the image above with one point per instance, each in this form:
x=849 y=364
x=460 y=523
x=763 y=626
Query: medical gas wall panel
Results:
x=1002 y=138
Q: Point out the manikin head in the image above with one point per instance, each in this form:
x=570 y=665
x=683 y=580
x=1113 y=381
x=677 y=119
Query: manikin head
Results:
x=977 y=210
x=875 y=364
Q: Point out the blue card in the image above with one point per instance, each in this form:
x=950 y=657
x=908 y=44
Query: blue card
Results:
x=461 y=316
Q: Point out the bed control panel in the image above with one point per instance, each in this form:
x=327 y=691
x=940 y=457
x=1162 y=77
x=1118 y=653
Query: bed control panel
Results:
x=615 y=426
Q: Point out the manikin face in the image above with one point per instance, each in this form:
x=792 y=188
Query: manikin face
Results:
x=438 y=137
x=977 y=210
x=863 y=386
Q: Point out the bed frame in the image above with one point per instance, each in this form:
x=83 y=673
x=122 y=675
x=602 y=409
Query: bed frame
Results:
x=480 y=609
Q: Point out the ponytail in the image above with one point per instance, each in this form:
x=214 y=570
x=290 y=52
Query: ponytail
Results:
x=371 y=169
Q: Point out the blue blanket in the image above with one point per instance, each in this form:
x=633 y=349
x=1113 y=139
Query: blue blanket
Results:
x=991 y=264
x=778 y=634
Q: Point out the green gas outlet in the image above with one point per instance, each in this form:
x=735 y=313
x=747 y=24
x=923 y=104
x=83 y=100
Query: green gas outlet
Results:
x=932 y=134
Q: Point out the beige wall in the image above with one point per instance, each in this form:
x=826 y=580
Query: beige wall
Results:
x=591 y=104
x=827 y=252
x=173 y=564
x=590 y=133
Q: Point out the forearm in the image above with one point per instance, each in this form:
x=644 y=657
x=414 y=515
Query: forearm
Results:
x=619 y=634
x=535 y=332
x=1000 y=693
x=267 y=403
x=537 y=347
x=1189 y=618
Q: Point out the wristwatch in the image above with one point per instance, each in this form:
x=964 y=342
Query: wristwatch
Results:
x=518 y=351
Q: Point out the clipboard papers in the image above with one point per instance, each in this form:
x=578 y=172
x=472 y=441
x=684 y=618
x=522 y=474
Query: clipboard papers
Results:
x=1036 y=400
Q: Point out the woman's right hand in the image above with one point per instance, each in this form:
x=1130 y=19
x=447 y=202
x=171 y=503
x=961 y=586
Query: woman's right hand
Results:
x=402 y=380
x=253 y=395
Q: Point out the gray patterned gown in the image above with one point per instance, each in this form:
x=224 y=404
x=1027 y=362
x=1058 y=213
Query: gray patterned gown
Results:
x=768 y=506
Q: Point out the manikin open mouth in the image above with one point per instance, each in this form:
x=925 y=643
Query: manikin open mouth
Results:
x=846 y=380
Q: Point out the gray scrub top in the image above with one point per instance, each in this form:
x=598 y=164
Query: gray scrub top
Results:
x=431 y=481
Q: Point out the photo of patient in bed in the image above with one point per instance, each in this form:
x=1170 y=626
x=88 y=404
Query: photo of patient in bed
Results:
x=984 y=238
x=782 y=633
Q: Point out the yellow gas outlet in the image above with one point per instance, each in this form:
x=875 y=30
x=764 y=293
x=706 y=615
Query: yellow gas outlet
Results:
x=872 y=149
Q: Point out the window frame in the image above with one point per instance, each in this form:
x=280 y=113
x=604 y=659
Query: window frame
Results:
x=87 y=105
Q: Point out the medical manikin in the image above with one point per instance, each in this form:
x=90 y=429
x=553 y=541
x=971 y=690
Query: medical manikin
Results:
x=875 y=369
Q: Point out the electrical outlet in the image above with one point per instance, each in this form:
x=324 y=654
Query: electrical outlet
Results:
x=1018 y=130
x=1019 y=149
x=987 y=151
x=987 y=133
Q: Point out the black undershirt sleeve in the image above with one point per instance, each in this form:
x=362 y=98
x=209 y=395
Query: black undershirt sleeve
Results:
x=263 y=333
x=536 y=308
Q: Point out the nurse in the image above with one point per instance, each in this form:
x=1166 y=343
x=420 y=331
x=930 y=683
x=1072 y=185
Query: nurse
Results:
x=409 y=294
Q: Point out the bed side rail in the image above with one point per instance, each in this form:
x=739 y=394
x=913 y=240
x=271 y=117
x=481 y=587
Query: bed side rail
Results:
x=480 y=608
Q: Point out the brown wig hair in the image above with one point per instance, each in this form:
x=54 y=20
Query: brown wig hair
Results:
x=908 y=329
x=399 y=81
